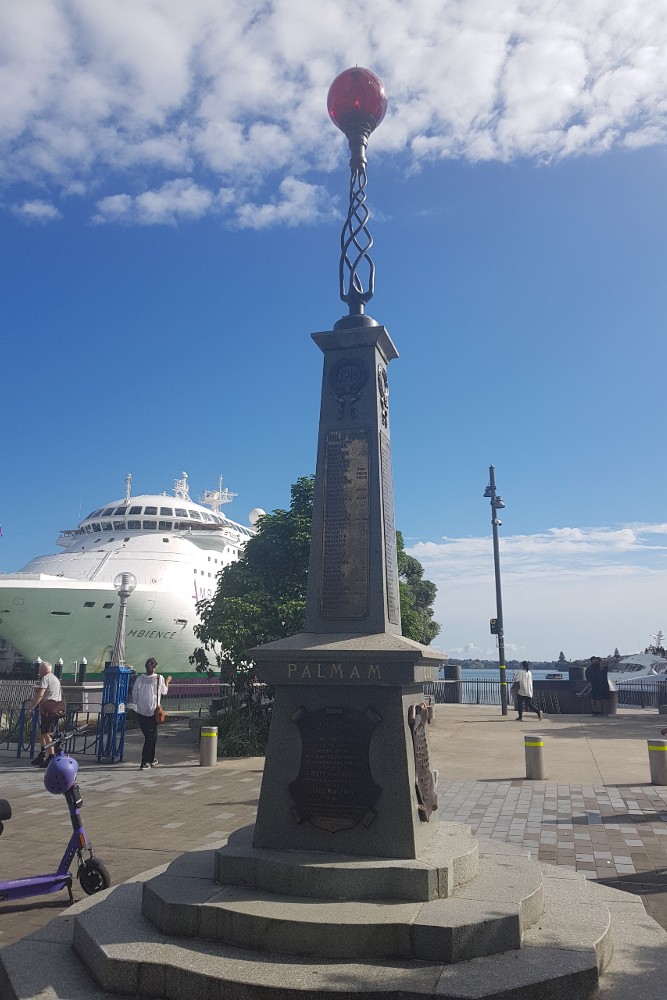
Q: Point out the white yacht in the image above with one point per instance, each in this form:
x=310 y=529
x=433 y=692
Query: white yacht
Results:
x=649 y=665
x=65 y=606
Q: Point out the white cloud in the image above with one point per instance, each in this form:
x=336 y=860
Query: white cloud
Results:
x=37 y=211
x=619 y=575
x=175 y=201
x=231 y=92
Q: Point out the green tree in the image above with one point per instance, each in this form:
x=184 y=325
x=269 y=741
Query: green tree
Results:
x=561 y=658
x=262 y=597
x=417 y=597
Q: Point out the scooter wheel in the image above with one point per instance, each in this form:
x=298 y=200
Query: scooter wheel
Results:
x=93 y=876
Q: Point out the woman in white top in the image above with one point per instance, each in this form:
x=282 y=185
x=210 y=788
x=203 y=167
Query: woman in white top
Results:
x=147 y=692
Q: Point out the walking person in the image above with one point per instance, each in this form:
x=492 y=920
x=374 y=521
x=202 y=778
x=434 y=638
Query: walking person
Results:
x=48 y=698
x=524 y=678
x=147 y=692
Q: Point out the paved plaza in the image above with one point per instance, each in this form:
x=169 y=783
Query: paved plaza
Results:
x=597 y=811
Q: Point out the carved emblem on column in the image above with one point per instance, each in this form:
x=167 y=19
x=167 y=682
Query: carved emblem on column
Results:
x=383 y=388
x=426 y=780
x=348 y=378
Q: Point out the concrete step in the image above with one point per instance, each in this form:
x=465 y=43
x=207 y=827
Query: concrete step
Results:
x=128 y=956
x=451 y=859
x=484 y=916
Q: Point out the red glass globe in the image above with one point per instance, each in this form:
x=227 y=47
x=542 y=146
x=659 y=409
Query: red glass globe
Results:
x=357 y=92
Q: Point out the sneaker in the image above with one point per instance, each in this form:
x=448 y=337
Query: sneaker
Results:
x=144 y=766
x=156 y=761
x=37 y=761
x=539 y=715
x=45 y=761
x=518 y=719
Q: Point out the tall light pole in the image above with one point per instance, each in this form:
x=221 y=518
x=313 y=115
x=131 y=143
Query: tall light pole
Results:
x=497 y=627
x=124 y=584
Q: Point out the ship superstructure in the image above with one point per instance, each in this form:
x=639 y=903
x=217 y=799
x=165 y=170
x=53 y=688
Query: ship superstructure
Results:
x=64 y=605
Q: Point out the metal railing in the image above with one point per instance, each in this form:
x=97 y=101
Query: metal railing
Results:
x=642 y=693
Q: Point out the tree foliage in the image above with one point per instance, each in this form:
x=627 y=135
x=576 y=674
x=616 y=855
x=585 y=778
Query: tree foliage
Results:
x=262 y=597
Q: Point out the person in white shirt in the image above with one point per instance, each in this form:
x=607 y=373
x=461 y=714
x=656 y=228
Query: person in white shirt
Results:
x=524 y=678
x=48 y=697
x=147 y=692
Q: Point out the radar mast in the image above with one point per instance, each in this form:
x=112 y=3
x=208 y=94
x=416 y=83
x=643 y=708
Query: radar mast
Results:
x=215 y=498
x=181 y=489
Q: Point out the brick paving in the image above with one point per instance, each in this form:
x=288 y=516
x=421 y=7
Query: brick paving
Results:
x=610 y=823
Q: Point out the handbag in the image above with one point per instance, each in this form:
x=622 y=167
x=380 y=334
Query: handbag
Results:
x=53 y=709
x=160 y=714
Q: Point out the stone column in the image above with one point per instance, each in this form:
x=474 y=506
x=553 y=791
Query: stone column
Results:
x=347 y=767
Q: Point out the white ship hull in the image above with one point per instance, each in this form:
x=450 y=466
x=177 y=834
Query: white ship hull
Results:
x=66 y=606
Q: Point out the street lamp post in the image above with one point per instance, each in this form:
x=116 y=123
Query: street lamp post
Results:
x=124 y=583
x=496 y=505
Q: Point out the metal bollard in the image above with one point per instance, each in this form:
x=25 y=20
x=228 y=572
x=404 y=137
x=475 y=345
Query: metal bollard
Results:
x=534 y=750
x=657 y=759
x=430 y=710
x=208 y=746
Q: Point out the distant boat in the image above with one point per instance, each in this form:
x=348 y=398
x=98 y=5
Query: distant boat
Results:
x=555 y=677
x=651 y=665
x=65 y=605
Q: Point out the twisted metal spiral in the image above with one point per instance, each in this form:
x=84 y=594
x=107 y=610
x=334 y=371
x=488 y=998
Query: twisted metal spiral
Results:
x=355 y=242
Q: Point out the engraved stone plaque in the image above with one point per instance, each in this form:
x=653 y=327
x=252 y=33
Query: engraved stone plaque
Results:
x=345 y=536
x=391 y=568
x=425 y=780
x=334 y=789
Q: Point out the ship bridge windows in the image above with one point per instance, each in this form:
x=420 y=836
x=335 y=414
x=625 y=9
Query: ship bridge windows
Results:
x=106 y=526
x=207 y=517
x=150 y=510
x=119 y=526
x=135 y=510
x=149 y=525
x=96 y=527
x=165 y=525
x=134 y=525
x=195 y=515
x=107 y=512
x=120 y=510
x=166 y=511
x=181 y=512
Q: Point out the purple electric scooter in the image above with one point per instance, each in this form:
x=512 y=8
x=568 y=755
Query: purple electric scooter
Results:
x=59 y=779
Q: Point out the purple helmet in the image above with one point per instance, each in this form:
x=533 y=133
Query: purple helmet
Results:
x=60 y=774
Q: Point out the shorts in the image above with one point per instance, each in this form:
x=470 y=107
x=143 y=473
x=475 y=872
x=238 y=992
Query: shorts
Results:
x=48 y=723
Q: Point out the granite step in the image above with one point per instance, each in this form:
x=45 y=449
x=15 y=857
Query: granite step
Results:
x=486 y=915
x=558 y=960
x=451 y=859
x=561 y=957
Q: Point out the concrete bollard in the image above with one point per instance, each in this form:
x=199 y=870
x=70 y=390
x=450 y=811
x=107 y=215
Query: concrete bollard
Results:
x=534 y=750
x=208 y=746
x=430 y=709
x=657 y=759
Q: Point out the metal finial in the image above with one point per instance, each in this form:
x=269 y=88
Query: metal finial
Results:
x=357 y=103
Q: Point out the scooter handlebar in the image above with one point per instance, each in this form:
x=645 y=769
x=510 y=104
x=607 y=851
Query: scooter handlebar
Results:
x=64 y=737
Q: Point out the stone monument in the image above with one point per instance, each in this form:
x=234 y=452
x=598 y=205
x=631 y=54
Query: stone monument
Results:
x=347 y=767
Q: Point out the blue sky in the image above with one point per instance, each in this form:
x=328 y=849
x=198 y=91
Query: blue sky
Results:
x=171 y=198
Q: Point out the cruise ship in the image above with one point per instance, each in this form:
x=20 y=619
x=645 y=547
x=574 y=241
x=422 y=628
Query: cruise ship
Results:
x=65 y=606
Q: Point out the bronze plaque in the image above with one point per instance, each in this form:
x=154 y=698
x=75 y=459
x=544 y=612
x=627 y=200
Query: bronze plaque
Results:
x=424 y=779
x=334 y=789
x=345 y=534
x=391 y=566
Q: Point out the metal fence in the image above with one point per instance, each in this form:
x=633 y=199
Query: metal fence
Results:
x=642 y=693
